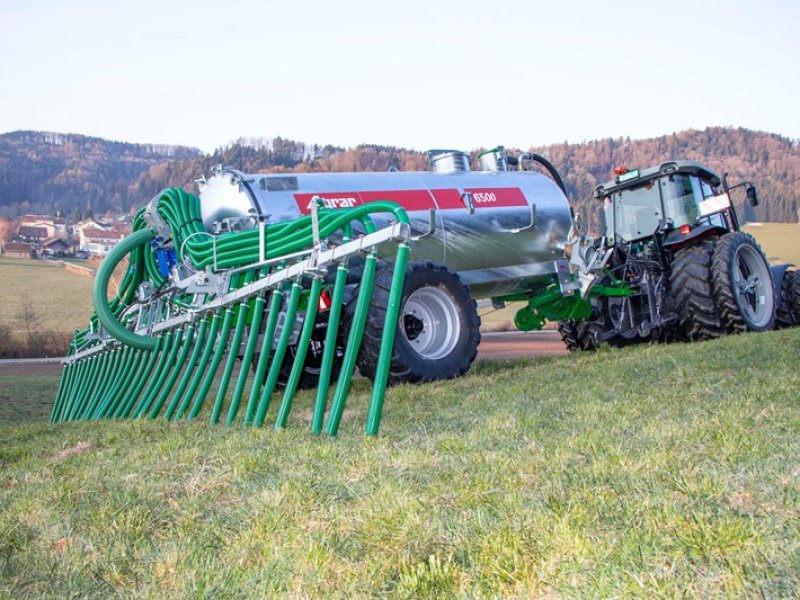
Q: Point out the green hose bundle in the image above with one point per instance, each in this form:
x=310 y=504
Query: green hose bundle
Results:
x=134 y=371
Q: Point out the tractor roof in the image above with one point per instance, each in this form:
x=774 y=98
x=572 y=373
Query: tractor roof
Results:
x=635 y=177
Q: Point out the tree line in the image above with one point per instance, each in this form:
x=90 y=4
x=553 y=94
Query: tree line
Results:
x=76 y=174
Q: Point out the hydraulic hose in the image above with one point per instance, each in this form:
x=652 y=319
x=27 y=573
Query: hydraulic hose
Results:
x=105 y=314
x=547 y=165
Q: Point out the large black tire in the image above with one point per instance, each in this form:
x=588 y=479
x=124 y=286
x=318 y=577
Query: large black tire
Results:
x=583 y=335
x=692 y=291
x=742 y=283
x=309 y=376
x=423 y=350
x=577 y=335
x=788 y=312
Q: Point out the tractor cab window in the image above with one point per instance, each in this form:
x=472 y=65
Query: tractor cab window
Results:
x=681 y=195
x=717 y=219
x=637 y=212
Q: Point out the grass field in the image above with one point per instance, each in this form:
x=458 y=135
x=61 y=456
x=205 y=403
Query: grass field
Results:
x=61 y=300
x=780 y=241
x=652 y=471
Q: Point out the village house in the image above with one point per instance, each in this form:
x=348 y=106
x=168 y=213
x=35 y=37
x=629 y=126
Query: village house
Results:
x=97 y=241
x=28 y=233
x=57 y=247
x=17 y=250
x=54 y=225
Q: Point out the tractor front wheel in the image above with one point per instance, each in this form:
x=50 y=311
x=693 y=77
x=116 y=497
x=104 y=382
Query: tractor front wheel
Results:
x=577 y=335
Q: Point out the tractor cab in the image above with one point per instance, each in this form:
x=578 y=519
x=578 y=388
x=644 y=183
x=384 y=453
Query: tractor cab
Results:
x=680 y=199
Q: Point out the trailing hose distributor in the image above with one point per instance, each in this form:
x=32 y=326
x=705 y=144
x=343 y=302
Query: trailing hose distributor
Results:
x=187 y=291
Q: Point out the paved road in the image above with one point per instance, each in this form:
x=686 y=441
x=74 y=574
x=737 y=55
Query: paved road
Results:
x=493 y=345
x=516 y=344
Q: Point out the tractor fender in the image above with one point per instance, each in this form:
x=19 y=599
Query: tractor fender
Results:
x=778 y=271
x=675 y=240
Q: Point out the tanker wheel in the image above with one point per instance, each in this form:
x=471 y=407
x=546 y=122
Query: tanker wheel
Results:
x=310 y=373
x=692 y=292
x=788 y=312
x=742 y=283
x=438 y=331
x=309 y=376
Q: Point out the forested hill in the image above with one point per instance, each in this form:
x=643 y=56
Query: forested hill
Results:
x=43 y=172
x=770 y=161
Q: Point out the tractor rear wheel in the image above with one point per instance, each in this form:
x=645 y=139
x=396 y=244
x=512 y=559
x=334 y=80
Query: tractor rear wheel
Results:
x=438 y=331
x=692 y=291
x=742 y=283
x=788 y=312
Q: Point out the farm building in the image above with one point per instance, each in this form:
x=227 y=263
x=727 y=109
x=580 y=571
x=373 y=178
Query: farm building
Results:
x=57 y=247
x=29 y=233
x=17 y=250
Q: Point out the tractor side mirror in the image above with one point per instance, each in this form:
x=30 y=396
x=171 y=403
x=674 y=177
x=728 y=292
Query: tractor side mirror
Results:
x=752 y=196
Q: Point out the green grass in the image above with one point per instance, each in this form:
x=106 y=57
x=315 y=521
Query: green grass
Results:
x=62 y=300
x=650 y=471
x=780 y=241
x=26 y=398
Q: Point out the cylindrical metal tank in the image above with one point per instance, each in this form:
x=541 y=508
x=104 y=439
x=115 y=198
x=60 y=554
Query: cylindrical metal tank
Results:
x=500 y=230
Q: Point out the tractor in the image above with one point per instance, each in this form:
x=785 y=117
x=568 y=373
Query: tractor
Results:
x=673 y=236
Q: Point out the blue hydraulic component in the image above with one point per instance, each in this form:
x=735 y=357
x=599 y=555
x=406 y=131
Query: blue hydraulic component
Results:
x=165 y=258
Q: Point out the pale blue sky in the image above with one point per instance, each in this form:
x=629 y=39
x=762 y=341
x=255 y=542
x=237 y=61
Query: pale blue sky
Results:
x=410 y=73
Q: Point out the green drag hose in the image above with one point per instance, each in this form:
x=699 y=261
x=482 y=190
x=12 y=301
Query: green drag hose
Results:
x=100 y=292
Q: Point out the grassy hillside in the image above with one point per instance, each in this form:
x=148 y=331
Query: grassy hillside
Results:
x=648 y=471
x=61 y=300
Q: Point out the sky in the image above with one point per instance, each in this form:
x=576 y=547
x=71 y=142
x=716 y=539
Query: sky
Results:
x=416 y=74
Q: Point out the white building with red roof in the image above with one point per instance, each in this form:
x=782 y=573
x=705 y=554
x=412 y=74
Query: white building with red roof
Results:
x=99 y=241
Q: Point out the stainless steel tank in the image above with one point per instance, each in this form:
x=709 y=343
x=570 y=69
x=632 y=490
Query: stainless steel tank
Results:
x=499 y=230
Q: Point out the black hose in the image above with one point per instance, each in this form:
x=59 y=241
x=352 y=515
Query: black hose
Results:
x=550 y=168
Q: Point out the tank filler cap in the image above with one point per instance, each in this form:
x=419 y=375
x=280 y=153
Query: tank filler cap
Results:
x=448 y=161
x=494 y=159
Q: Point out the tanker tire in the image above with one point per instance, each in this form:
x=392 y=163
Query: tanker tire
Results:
x=309 y=376
x=738 y=258
x=788 y=313
x=424 y=282
x=692 y=292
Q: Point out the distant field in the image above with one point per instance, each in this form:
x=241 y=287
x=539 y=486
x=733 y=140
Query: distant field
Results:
x=61 y=300
x=780 y=241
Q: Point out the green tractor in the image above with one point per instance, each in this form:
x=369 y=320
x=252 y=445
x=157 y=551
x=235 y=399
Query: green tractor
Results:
x=673 y=237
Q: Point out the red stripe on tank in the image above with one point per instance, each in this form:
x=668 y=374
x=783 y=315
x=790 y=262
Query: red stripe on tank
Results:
x=494 y=197
x=413 y=200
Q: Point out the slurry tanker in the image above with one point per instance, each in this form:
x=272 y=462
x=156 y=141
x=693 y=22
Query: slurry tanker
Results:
x=233 y=300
